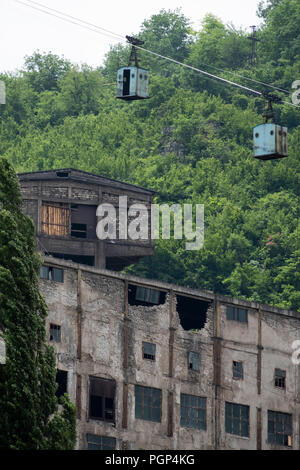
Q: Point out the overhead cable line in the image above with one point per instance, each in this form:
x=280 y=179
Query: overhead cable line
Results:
x=70 y=19
x=246 y=78
x=211 y=75
x=100 y=30
x=122 y=38
x=74 y=18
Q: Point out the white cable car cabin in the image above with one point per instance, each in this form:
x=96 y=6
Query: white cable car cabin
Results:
x=270 y=141
x=132 y=83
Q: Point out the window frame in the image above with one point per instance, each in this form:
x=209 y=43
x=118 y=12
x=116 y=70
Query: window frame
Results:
x=53 y=270
x=278 y=415
x=102 y=399
x=239 y=372
x=202 y=423
x=153 y=358
x=280 y=378
x=148 y=293
x=57 y=328
x=236 y=410
x=195 y=353
x=234 y=313
x=100 y=445
x=143 y=414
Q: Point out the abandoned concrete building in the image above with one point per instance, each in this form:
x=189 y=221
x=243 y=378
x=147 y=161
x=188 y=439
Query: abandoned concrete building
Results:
x=152 y=365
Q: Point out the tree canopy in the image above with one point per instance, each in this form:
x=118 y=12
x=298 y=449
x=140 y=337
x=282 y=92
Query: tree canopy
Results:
x=191 y=142
x=28 y=405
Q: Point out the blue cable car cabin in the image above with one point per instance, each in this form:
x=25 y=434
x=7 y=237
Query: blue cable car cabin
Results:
x=132 y=83
x=270 y=141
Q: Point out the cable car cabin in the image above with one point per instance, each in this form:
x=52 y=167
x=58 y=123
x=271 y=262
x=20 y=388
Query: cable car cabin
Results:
x=270 y=141
x=133 y=83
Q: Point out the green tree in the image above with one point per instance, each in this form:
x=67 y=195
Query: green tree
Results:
x=28 y=405
x=43 y=71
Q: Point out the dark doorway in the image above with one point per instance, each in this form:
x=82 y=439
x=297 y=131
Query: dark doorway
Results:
x=126 y=82
x=62 y=381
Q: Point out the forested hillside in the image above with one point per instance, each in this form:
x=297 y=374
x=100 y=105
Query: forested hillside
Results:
x=191 y=142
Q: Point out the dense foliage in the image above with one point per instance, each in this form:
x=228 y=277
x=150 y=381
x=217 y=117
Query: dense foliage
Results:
x=191 y=142
x=28 y=405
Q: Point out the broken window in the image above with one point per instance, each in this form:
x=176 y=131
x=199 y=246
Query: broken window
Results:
x=62 y=381
x=143 y=294
x=192 y=312
x=194 y=361
x=51 y=274
x=237 y=419
x=279 y=428
x=78 y=230
x=237 y=370
x=279 y=378
x=237 y=314
x=148 y=403
x=102 y=398
x=83 y=221
x=149 y=351
x=55 y=333
x=95 y=442
x=138 y=295
x=55 y=218
x=192 y=411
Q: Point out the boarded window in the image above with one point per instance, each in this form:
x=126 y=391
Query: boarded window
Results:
x=194 y=361
x=148 y=403
x=55 y=333
x=62 y=382
x=279 y=428
x=192 y=411
x=237 y=370
x=55 y=219
x=149 y=351
x=95 y=442
x=51 y=274
x=102 y=399
x=279 y=378
x=237 y=314
x=237 y=419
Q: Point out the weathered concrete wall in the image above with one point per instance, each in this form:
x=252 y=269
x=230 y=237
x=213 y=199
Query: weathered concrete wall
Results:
x=102 y=336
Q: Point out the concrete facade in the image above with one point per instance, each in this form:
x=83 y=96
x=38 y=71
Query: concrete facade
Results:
x=152 y=365
x=103 y=329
